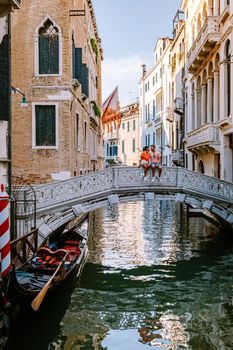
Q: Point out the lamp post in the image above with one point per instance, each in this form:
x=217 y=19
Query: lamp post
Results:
x=24 y=102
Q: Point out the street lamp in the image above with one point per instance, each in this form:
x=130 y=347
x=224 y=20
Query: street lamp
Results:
x=24 y=102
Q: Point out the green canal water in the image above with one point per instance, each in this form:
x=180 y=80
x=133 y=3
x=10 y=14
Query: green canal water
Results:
x=152 y=281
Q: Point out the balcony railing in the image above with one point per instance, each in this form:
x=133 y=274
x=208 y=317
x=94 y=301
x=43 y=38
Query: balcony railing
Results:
x=208 y=36
x=207 y=135
x=14 y=3
x=156 y=119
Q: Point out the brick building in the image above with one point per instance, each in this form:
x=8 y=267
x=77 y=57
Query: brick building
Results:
x=56 y=63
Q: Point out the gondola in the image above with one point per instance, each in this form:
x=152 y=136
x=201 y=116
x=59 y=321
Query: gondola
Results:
x=57 y=258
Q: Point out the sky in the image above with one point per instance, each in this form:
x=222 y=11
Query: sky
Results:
x=129 y=30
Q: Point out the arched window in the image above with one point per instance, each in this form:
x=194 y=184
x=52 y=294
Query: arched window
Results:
x=201 y=168
x=48 y=49
x=228 y=76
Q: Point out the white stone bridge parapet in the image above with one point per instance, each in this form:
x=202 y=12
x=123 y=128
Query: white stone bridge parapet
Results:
x=86 y=193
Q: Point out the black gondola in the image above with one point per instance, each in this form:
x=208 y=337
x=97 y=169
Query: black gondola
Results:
x=56 y=259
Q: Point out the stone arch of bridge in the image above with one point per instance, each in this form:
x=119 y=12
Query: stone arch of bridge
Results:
x=223 y=215
x=120 y=184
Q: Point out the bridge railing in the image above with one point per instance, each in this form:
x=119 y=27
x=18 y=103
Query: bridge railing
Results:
x=76 y=187
x=203 y=185
x=122 y=179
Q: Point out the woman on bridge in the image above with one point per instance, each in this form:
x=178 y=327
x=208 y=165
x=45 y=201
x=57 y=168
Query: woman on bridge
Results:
x=144 y=161
x=155 y=161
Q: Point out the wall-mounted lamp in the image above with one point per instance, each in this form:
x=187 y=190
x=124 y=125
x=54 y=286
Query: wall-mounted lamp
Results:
x=24 y=102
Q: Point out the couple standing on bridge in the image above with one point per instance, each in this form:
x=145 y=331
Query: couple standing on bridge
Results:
x=150 y=159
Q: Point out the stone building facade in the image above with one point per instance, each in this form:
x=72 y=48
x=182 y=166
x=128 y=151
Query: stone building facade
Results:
x=209 y=84
x=56 y=63
x=129 y=135
x=200 y=90
x=155 y=100
x=175 y=113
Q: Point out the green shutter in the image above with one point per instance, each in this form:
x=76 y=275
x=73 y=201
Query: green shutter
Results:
x=78 y=63
x=73 y=62
x=81 y=71
x=85 y=80
x=48 y=54
x=45 y=126
x=54 y=54
x=43 y=55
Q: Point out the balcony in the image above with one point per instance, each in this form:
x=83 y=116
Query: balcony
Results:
x=157 y=120
x=11 y=3
x=179 y=105
x=204 y=139
x=207 y=38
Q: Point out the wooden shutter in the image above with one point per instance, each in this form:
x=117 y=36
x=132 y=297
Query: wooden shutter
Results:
x=54 y=54
x=73 y=62
x=45 y=125
x=85 y=80
x=48 y=54
x=43 y=54
x=78 y=63
x=81 y=71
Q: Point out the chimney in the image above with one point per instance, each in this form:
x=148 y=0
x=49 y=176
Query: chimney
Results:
x=143 y=70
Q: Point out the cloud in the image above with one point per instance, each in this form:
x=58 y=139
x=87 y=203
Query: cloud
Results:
x=124 y=72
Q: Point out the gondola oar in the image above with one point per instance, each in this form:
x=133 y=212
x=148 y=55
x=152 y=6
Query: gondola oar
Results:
x=40 y=296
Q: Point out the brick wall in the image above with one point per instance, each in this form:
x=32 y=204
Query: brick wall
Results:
x=37 y=164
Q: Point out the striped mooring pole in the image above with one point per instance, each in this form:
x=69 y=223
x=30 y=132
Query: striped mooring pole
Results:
x=5 y=255
x=5 y=261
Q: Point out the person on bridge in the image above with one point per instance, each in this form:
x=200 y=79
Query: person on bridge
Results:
x=155 y=161
x=144 y=161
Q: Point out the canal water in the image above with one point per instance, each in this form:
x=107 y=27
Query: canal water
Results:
x=152 y=281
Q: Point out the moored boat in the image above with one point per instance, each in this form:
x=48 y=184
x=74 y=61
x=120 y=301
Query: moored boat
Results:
x=59 y=257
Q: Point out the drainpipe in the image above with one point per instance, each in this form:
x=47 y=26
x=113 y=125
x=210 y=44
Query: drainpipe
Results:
x=10 y=107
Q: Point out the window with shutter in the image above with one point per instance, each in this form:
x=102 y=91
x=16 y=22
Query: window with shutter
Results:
x=81 y=71
x=45 y=125
x=78 y=64
x=48 y=49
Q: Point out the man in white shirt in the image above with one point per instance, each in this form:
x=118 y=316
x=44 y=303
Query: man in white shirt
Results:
x=155 y=161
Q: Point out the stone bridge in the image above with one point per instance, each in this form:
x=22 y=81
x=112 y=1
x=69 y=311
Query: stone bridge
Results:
x=60 y=202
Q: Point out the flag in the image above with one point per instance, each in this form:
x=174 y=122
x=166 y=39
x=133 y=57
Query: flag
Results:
x=5 y=256
x=111 y=112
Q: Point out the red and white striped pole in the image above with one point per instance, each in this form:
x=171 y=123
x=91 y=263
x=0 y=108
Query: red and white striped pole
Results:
x=5 y=255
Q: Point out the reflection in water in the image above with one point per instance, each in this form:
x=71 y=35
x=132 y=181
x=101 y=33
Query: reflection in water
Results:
x=151 y=282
